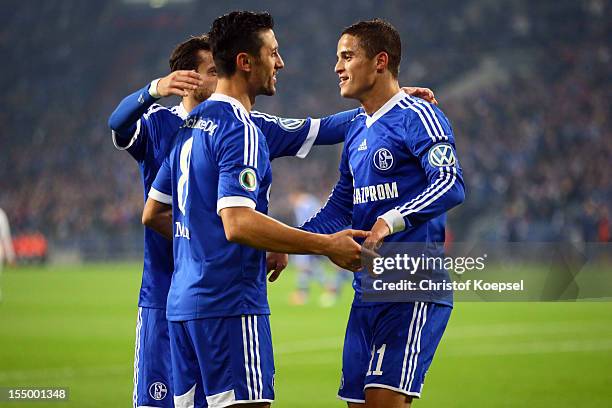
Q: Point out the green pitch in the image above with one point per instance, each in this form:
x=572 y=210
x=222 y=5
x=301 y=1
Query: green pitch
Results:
x=74 y=327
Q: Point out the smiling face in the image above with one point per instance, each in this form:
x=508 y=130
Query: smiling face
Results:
x=266 y=65
x=356 y=71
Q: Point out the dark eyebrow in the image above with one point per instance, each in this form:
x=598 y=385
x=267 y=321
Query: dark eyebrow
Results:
x=347 y=53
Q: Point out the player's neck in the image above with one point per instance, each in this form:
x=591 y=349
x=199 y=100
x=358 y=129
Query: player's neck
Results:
x=380 y=93
x=189 y=103
x=235 y=88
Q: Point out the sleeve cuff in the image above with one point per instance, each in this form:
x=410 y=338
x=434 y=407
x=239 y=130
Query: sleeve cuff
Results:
x=160 y=197
x=395 y=221
x=234 y=201
x=313 y=132
x=153 y=89
x=118 y=146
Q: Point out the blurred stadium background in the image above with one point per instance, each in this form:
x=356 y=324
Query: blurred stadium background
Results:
x=527 y=86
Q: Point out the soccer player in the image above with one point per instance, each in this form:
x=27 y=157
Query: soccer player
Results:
x=399 y=175
x=217 y=304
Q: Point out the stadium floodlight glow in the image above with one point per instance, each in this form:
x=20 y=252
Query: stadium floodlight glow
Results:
x=155 y=3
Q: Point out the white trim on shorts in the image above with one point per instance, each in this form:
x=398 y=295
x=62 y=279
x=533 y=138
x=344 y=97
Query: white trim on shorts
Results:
x=388 y=387
x=137 y=357
x=187 y=399
x=355 y=401
x=240 y=402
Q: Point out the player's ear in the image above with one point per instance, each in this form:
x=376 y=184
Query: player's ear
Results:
x=244 y=62
x=382 y=62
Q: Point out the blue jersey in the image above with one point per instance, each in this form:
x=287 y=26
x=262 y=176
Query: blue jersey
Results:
x=148 y=138
x=221 y=159
x=399 y=164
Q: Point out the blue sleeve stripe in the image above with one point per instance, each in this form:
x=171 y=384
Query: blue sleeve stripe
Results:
x=420 y=203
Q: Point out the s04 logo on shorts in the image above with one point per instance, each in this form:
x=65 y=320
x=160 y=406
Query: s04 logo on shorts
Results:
x=158 y=391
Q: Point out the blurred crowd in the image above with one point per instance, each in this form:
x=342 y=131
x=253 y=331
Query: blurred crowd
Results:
x=537 y=151
x=534 y=142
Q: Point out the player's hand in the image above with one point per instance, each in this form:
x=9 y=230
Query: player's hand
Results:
x=276 y=263
x=344 y=251
x=423 y=93
x=379 y=231
x=179 y=83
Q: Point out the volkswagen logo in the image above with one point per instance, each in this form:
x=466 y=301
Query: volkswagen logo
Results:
x=442 y=155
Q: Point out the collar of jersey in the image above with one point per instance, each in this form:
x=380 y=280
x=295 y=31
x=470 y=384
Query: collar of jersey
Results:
x=385 y=108
x=181 y=111
x=232 y=101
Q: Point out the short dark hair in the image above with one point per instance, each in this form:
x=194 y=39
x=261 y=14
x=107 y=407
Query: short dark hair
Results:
x=185 y=55
x=234 y=33
x=376 y=36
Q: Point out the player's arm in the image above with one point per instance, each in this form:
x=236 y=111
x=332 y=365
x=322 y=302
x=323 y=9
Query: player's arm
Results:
x=335 y=216
x=124 y=119
x=430 y=138
x=157 y=213
x=333 y=128
x=158 y=217
x=245 y=225
x=242 y=166
x=337 y=212
x=295 y=137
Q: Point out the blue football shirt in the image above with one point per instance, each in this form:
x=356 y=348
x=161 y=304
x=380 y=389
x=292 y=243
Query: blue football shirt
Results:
x=220 y=159
x=399 y=164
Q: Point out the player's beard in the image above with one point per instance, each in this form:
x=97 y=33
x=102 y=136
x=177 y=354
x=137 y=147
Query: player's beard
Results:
x=267 y=87
x=268 y=90
x=201 y=95
x=267 y=83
